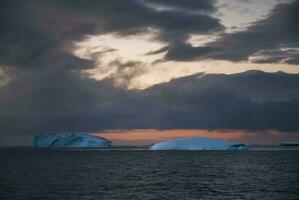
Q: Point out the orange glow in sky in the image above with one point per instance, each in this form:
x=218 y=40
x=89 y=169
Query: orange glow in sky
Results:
x=148 y=136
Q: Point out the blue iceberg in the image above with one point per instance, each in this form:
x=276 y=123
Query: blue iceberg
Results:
x=197 y=143
x=70 y=140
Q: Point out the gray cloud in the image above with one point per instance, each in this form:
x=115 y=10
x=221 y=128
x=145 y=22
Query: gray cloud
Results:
x=185 y=52
x=290 y=56
x=33 y=31
x=278 y=30
x=125 y=72
x=47 y=91
x=253 y=100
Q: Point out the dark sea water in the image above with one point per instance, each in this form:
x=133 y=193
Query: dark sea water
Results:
x=127 y=174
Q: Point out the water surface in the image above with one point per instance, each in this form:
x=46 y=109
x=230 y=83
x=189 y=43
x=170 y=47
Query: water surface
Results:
x=26 y=173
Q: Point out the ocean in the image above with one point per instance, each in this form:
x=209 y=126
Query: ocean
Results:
x=27 y=173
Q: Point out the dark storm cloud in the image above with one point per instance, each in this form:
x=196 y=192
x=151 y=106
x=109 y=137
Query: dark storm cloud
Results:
x=33 y=31
x=279 y=30
x=254 y=100
x=185 y=52
x=47 y=91
x=28 y=43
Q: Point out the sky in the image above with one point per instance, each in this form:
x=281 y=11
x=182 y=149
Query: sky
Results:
x=142 y=71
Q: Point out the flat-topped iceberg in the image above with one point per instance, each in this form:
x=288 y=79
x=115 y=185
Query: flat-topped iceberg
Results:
x=197 y=143
x=70 y=140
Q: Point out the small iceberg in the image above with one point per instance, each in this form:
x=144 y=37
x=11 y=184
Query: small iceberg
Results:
x=72 y=140
x=198 y=143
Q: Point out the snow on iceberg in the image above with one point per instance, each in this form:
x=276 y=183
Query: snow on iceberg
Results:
x=197 y=143
x=70 y=140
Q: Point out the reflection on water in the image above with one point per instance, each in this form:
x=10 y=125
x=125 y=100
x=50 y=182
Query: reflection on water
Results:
x=125 y=174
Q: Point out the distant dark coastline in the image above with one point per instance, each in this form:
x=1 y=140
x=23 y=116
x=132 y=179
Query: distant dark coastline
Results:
x=290 y=144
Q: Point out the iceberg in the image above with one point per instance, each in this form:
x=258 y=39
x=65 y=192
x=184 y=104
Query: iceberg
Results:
x=198 y=143
x=70 y=140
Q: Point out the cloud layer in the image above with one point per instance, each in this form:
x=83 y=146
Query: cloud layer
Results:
x=47 y=90
x=278 y=33
x=253 y=100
